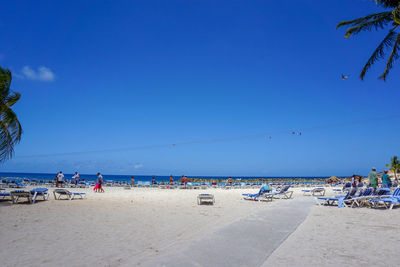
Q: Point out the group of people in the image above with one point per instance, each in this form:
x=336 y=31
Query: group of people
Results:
x=374 y=179
x=59 y=180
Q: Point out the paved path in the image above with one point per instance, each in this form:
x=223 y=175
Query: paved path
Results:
x=247 y=242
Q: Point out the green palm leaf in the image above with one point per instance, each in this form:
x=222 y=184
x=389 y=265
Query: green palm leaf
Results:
x=394 y=55
x=379 y=52
x=10 y=127
x=379 y=22
x=387 y=3
x=364 y=19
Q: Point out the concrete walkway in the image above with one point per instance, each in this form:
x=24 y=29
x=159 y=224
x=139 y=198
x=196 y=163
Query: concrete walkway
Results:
x=247 y=242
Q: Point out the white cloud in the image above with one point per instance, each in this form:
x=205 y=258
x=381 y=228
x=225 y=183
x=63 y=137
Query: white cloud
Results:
x=41 y=74
x=138 y=166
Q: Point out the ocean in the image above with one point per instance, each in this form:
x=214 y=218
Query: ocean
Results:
x=13 y=176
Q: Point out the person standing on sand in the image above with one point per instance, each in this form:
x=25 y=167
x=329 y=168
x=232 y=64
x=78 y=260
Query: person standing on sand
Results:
x=100 y=183
x=132 y=181
x=76 y=178
x=56 y=180
x=386 y=180
x=353 y=181
x=60 y=179
x=171 y=180
x=373 y=179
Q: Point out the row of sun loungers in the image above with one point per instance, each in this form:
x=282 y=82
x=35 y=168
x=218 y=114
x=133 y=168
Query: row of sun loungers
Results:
x=32 y=195
x=267 y=194
x=365 y=198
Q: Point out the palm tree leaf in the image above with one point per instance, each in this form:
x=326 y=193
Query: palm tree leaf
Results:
x=387 y=3
x=379 y=52
x=10 y=127
x=392 y=58
x=10 y=133
x=364 y=19
x=5 y=82
x=6 y=143
x=12 y=99
x=376 y=23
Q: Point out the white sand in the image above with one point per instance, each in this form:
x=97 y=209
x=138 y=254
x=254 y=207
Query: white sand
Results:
x=130 y=227
x=342 y=237
x=119 y=227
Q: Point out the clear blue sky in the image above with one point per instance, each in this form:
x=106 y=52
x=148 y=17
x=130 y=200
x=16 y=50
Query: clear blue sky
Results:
x=112 y=74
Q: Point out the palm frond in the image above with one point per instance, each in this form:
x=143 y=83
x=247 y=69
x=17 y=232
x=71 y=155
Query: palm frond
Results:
x=387 y=3
x=367 y=26
x=10 y=127
x=394 y=55
x=379 y=52
x=10 y=134
x=364 y=19
x=5 y=82
x=11 y=99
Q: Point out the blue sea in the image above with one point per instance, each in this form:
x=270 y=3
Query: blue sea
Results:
x=13 y=176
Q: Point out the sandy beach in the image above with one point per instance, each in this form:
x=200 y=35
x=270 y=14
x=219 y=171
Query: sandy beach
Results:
x=155 y=227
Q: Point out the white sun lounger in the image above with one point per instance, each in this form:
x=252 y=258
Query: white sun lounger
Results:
x=69 y=195
x=203 y=198
x=30 y=195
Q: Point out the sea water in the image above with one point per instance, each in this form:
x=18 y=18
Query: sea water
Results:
x=18 y=177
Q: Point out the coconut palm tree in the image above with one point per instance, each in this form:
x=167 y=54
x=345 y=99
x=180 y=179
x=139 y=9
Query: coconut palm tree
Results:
x=394 y=166
x=388 y=19
x=10 y=128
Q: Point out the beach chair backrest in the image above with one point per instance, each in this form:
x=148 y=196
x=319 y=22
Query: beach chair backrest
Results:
x=396 y=192
x=286 y=188
x=361 y=193
x=351 y=193
x=368 y=192
x=382 y=191
x=347 y=185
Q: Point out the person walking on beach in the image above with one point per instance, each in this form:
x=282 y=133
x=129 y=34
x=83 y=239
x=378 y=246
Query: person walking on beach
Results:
x=153 y=181
x=60 y=179
x=373 y=179
x=99 y=183
x=132 y=181
x=76 y=178
x=171 y=180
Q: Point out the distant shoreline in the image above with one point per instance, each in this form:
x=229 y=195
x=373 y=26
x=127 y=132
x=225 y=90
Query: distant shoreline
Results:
x=112 y=177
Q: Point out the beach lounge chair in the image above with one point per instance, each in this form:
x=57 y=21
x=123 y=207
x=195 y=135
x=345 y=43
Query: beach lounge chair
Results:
x=312 y=192
x=3 y=195
x=15 y=185
x=68 y=194
x=205 y=198
x=263 y=190
x=283 y=193
x=359 y=200
x=388 y=201
x=346 y=187
x=337 y=199
x=31 y=196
